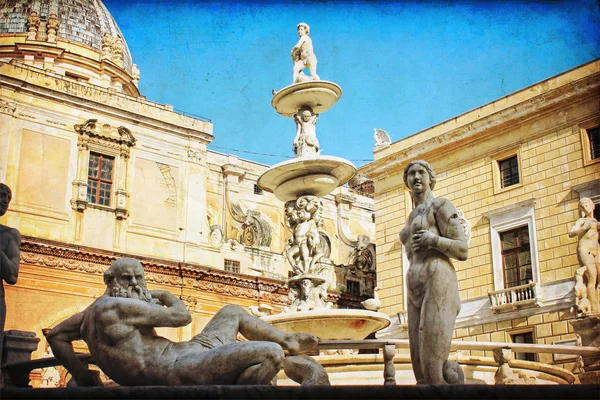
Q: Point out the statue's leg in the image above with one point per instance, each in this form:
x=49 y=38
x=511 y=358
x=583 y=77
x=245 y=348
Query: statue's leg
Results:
x=414 y=316
x=231 y=319
x=591 y=275
x=243 y=363
x=312 y=68
x=441 y=304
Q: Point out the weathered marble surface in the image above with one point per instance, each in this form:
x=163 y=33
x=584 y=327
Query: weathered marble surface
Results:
x=118 y=328
x=432 y=236
x=304 y=56
x=588 y=254
x=305 y=142
x=10 y=245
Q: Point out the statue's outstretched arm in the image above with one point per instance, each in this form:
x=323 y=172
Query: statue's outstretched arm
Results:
x=170 y=312
x=60 y=339
x=10 y=257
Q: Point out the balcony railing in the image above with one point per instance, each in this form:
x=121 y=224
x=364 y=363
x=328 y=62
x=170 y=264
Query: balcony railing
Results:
x=514 y=297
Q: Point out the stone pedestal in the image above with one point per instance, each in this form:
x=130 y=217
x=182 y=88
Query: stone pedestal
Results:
x=588 y=328
x=18 y=346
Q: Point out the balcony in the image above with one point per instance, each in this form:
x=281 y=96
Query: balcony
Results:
x=514 y=298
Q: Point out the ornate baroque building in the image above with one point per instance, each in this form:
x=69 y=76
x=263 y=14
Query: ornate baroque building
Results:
x=98 y=172
x=516 y=168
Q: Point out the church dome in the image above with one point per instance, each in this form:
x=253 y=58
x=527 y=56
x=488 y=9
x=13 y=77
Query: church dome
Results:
x=81 y=21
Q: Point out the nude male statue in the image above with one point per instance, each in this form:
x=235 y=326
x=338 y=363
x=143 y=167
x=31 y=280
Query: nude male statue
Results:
x=10 y=249
x=118 y=328
x=588 y=249
x=432 y=235
x=303 y=56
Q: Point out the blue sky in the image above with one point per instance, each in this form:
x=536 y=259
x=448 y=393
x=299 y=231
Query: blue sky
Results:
x=403 y=66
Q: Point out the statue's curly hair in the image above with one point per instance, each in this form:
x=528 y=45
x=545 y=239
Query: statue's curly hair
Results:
x=6 y=189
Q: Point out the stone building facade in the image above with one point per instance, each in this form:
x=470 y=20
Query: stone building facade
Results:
x=516 y=169
x=98 y=172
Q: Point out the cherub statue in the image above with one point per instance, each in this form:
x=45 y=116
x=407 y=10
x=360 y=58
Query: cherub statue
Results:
x=304 y=248
x=305 y=141
x=303 y=56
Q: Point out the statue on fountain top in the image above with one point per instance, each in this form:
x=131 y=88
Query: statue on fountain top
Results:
x=304 y=57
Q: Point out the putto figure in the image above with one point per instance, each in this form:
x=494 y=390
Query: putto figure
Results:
x=118 y=328
x=303 y=56
x=305 y=142
x=432 y=236
x=588 y=254
x=10 y=250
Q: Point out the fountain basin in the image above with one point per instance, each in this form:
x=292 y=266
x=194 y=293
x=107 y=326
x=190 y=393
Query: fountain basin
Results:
x=316 y=95
x=331 y=324
x=317 y=176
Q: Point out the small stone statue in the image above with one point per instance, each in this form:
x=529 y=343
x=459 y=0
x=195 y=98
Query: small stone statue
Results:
x=588 y=254
x=118 y=328
x=10 y=250
x=33 y=24
x=305 y=142
x=52 y=27
x=107 y=42
x=432 y=236
x=304 y=56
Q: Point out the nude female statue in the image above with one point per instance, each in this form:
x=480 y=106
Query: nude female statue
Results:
x=588 y=249
x=432 y=235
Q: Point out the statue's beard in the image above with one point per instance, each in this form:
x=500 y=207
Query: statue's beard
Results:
x=132 y=292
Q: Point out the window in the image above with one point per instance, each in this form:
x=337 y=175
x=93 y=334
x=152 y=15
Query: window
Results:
x=516 y=257
x=509 y=172
x=232 y=266
x=506 y=169
x=525 y=337
x=594 y=138
x=257 y=189
x=590 y=140
x=100 y=179
x=353 y=288
x=514 y=245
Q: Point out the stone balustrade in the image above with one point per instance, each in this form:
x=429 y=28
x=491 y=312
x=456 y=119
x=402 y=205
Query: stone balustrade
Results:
x=514 y=297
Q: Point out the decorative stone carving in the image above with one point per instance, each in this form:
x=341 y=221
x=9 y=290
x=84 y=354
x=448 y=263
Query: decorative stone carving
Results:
x=303 y=56
x=135 y=74
x=8 y=107
x=256 y=231
x=505 y=374
x=432 y=236
x=305 y=142
x=305 y=247
x=382 y=139
x=117 y=52
x=363 y=255
x=123 y=320
x=10 y=250
x=33 y=24
x=52 y=26
x=587 y=329
x=588 y=254
x=216 y=236
x=465 y=224
x=107 y=41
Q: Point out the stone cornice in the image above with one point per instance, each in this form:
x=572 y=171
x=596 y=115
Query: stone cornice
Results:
x=39 y=83
x=481 y=128
x=50 y=254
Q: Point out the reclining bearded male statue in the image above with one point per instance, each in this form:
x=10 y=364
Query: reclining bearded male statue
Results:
x=118 y=328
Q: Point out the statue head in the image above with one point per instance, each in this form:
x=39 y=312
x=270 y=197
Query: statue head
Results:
x=587 y=206
x=5 y=198
x=424 y=164
x=125 y=278
x=306 y=29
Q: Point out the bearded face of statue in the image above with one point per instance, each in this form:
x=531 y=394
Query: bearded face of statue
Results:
x=128 y=282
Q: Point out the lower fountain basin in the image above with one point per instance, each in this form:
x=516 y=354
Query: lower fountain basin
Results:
x=331 y=324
